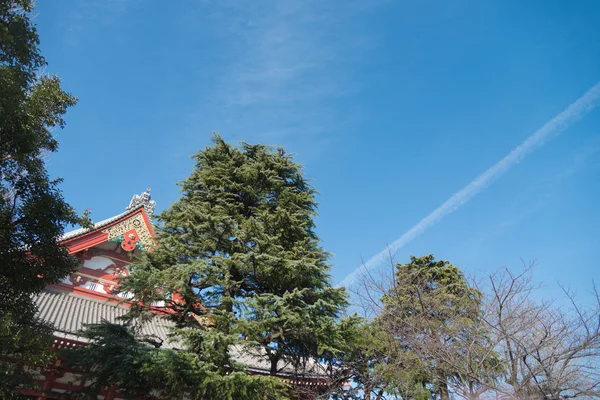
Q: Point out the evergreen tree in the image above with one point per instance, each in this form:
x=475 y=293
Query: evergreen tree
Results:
x=33 y=213
x=116 y=360
x=239 y=267
x=428 y=316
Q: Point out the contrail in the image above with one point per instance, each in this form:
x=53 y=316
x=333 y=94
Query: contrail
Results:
x=552 y=128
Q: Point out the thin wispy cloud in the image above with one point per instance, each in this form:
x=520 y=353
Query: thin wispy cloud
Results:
x=552 y=128
x=88 y=14
x=284 y=65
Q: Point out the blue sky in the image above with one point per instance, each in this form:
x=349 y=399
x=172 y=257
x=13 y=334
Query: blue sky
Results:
x=392 y=106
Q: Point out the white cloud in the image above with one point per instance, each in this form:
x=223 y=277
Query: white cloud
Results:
x=88 y=14
x=555 y=126
x=286 y=62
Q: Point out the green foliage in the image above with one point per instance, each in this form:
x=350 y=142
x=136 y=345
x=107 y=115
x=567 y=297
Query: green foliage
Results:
x=239 y=268
x=33 y=213
x=426 y=325
x=377 y=367
x=293 y=327
x=127 y=356
x=136 y=369
x=24 y=342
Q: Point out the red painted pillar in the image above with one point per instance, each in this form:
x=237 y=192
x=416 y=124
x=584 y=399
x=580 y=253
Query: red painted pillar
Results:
x=50 y=378
x=112 y=393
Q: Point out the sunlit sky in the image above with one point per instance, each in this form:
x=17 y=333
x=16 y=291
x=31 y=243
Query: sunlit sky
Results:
x=391 y=106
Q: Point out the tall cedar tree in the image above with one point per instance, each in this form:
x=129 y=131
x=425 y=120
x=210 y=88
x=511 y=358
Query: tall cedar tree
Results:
x=33 y=213
x=427 y=314
x=238 y=257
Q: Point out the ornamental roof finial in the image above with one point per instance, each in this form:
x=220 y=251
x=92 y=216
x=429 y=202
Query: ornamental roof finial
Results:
x=143 y=199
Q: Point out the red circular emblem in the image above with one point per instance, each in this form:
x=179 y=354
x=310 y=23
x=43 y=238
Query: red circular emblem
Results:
x=130 y=240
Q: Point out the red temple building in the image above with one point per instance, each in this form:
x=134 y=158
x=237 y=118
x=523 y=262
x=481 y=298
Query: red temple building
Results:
x=90 y=295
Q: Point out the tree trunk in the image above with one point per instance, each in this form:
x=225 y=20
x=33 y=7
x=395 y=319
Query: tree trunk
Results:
x=367 y=392
x=444 y=394
x=274 y=361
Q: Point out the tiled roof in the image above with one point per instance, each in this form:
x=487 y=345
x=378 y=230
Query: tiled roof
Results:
x=69 y=313
x=97 y=225
x=257 y=361
x=137 y=201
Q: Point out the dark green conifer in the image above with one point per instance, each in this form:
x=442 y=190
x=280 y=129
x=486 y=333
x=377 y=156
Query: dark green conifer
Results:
x=240 y=269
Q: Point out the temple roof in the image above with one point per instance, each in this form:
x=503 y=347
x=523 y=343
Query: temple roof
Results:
x=97 y=225
x=144 y=200
x=69 y=313
x=138 y=201
x=69 y=305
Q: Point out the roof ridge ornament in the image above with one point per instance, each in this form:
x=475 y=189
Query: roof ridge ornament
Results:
x=143 y=199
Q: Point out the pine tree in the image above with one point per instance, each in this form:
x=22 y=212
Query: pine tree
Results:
x=428 y=315
x=239 y=266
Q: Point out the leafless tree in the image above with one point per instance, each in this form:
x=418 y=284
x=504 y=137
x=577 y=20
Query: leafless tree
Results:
x=518 y=347
x=549 y=351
